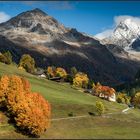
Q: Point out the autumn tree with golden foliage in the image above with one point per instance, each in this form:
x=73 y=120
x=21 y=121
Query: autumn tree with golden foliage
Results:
x=39 y=108
x=136 y=100
x=56 y=72
x=123 y=98
x=97 y=89
x=27 y=62
x=80 y=80
x=30 y=111
x=51 y=71
x=6 y=57
x=61 y=72
x=4 y=82
x=99 y=107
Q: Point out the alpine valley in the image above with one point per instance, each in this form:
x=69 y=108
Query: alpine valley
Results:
x=111 y=61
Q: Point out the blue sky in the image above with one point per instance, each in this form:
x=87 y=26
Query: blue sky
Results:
x=89 y=17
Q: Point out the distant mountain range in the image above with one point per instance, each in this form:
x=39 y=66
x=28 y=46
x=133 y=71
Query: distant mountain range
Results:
x=51 y=43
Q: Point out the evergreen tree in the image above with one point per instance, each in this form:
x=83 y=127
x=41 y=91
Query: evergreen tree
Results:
x=73 y=71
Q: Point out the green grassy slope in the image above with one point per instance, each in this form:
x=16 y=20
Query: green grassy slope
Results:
x=64 y=100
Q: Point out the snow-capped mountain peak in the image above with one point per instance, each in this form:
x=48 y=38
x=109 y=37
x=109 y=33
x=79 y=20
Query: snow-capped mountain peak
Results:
x=124 y=34
x=124 y=41
x=127 y=29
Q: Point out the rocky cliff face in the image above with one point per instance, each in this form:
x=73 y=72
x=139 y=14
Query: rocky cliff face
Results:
x=51 y=43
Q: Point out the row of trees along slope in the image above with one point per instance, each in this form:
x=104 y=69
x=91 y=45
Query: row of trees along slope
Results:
x=76 y=78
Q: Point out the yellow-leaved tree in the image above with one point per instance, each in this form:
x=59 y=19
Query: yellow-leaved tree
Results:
x=30 y=111
x=27 y=63
x=80 y=80
x=99 y=107
x=123 y=98
x=136 y=100
x=51 y=71
x=61 y=72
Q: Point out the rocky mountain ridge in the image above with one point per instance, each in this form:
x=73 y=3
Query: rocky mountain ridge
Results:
x=51 y=43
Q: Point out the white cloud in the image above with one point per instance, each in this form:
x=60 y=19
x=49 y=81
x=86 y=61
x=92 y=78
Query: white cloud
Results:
x=104 y=34
x=4 y=17
x=117 y=20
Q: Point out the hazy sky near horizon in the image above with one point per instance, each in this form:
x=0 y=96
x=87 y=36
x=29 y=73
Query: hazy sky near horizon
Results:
x=91 y=17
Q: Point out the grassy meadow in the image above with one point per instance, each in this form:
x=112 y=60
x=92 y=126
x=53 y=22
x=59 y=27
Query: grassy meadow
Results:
x=65 y=100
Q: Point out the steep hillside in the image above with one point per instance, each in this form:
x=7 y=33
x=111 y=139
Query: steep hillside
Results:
x=64 y=101
x=51 y=43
